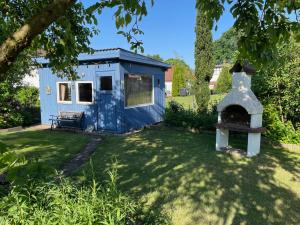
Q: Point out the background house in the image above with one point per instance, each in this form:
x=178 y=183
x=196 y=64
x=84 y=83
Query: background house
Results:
x=117 y=90
x=31 y=79
x=215 y=77
x=168 y=81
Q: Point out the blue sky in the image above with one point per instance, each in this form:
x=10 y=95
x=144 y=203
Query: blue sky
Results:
x=168 y=27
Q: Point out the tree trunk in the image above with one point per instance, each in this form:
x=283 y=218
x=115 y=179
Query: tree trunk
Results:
x=23 y=37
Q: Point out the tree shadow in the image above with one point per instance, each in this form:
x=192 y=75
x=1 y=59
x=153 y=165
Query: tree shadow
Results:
x=40 y=153
x=181 y=173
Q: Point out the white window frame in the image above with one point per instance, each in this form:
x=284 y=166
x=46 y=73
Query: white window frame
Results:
x=57 y=92
x=77 y=92
x=139 y=105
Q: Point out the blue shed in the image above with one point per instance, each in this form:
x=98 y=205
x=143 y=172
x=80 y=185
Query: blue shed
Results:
x=118 y=91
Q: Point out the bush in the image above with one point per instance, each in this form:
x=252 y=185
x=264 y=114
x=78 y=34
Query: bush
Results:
x=66 y=203
x=176 y=115
x=278 y=130
x=19 y=106
x=28 y=96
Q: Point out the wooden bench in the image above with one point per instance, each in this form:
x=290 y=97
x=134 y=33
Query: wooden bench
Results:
x=67 y=119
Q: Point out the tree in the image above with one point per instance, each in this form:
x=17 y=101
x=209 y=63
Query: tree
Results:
x=178 y=81
x=261 y=24
x=182 y=74
x=204 y=63
x=156 y=57
x=279 y=83
x=224 y=81
x=62 y=28
x=224 y=48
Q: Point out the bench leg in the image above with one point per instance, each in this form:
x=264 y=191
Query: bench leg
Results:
x=52 y=125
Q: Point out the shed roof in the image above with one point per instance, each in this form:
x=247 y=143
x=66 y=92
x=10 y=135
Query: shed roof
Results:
x=115 y=54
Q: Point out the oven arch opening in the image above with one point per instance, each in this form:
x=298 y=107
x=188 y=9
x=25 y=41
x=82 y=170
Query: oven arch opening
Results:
x=236 y=114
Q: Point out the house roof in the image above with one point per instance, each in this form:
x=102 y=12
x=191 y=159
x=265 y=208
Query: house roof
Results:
x=169 y=74
x=115 y=54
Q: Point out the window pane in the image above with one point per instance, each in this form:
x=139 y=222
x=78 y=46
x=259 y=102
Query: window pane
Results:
x=85 y=92
x=106 y=83
x=64 y=92
x=138 y=89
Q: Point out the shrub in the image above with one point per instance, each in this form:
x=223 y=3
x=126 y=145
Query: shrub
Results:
x=176 y=115
x=19 y=106
x=278 y=130
x=67 y=203
x=28 y=96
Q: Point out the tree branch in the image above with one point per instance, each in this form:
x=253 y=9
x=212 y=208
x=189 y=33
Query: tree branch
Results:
x=22 y=38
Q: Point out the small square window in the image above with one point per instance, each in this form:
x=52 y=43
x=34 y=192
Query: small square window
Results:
x=106 y=83
x=85 y=92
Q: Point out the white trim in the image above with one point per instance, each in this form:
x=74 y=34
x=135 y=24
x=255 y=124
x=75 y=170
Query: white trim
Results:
x=137 y=106
x=141 y=105
x=77 y=92
x=57 y=92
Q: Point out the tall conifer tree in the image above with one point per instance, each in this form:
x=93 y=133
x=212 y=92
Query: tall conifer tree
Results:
x=204 y=60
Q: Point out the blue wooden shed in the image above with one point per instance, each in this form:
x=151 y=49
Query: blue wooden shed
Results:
x=117 y=90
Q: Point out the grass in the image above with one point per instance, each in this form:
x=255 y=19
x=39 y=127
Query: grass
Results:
x=187 y=101
x=34 y=197
x=181 y=173
x=40 y=153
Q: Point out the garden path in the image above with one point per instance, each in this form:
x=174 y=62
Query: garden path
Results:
x=80 y=158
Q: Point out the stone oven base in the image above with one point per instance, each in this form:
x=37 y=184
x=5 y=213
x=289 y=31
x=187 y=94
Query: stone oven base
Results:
x=253 y=147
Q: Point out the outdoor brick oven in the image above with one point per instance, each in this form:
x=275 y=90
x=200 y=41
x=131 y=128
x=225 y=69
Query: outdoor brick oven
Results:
x=240 y=111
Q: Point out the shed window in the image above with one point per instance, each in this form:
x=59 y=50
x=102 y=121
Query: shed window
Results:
x=106 y=83
x=138 y=90
x=85 y=92
x=64 y=92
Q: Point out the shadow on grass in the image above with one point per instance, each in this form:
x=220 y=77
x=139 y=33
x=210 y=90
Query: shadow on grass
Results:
x=40 y=153
x=180 y=172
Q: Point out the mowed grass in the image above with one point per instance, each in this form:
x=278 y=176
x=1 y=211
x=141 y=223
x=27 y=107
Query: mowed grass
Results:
x=185 y=101
x=188 y=102
x=40 y=153
x=181 y=173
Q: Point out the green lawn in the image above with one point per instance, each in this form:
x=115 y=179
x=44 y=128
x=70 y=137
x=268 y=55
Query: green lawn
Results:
x=43 y=152
x=187 y=101
x=181 y=173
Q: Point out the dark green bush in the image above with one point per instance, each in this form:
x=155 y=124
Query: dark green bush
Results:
x=176 y=115
x=31 y=115
x=19 y=106
x=278 y=130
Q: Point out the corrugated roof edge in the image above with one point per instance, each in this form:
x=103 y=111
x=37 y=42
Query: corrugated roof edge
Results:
x=135 y=57
x=155 y=62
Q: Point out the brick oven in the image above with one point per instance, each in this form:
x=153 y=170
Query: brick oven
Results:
x=240 y=111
